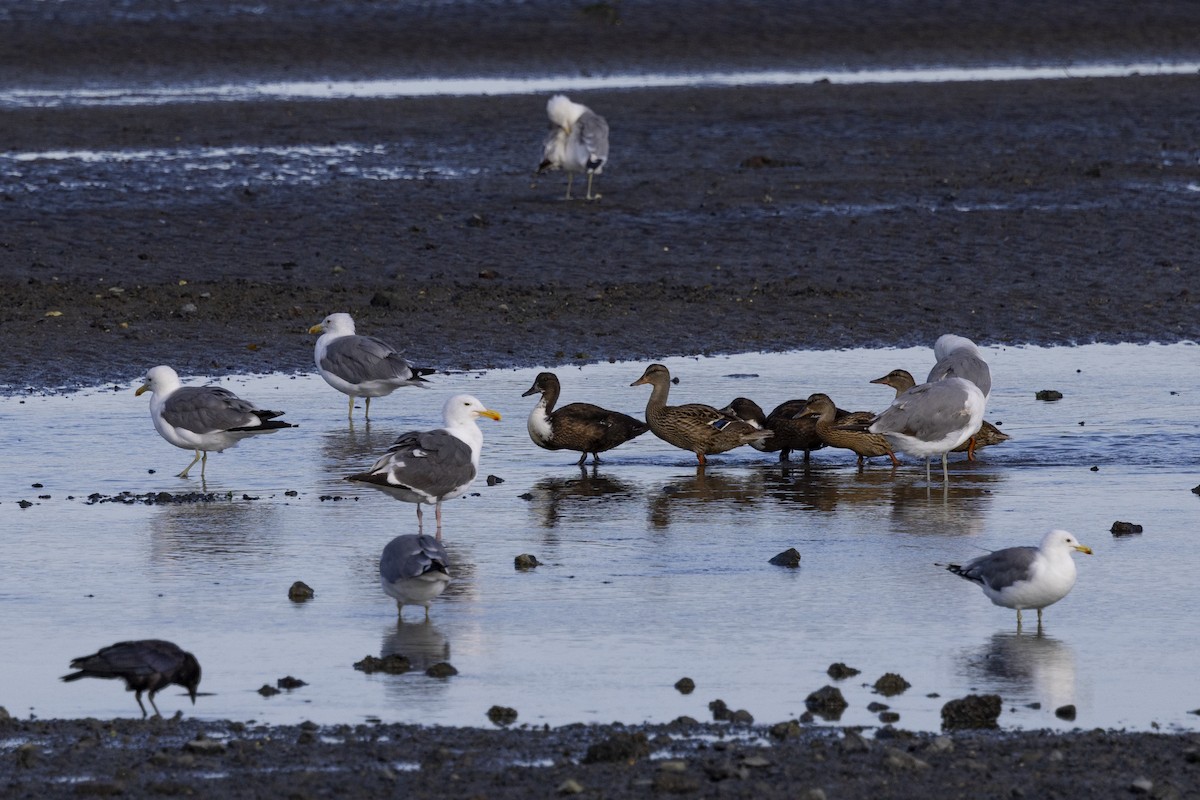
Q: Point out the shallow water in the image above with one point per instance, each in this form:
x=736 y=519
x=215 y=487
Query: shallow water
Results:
x=652 y=571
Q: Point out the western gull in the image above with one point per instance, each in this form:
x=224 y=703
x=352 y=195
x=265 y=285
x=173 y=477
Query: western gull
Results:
x=577 y=142
x=414 y=569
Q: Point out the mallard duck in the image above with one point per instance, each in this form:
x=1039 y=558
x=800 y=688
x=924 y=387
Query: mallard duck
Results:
x=577 y=142
x=702 y=429
x=789 y=431
x=932 y=419
x=583 y=427
x=361 y=366
x=203 y=418
x=432 y=466
x=902 y=380
x=848 y=431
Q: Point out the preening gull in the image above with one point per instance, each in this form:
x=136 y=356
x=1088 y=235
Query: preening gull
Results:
x=146 y=665
x=693 y=426
x=414 y=569
x=958 y=357
x=1026 y=577
x=583 y=427
x=432 y=466
x=361 y=366
x=203 y=418
x=932 y=419
x=577 y=142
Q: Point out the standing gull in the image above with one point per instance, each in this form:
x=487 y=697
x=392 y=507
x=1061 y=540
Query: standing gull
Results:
x=1026 y=577
x=414 y=569
x=577 y=142
x=584 y=427
x=146 y=665
x=902 y=380
x=432 y=466
x=361 y=366
x=702 y=429
x=958 y=357
x=203 y=418
x=932 y=419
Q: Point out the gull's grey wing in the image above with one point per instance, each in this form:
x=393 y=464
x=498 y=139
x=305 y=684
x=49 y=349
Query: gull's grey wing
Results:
x=359 y=359
x=1002 y=568
x=432 y=462
x=927 y=412
x=205 y=409
x=411 y=556
x=963 y=364
x=592 y=130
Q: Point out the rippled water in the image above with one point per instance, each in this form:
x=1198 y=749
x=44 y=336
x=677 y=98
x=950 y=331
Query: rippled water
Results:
x=652 y=571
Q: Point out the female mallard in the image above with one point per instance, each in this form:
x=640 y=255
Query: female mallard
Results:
x=702 y=429
x=902 y=380
x=583 y=427
x=838 y=431
x=789 y=432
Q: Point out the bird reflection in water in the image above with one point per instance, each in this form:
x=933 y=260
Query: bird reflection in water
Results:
x=584 y=495
x=1036 y=666
x=422 y=643
x=690 y=496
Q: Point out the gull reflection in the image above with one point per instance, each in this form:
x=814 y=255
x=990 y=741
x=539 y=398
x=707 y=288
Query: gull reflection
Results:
x=1034 y=665
x=347 y=450
x=219 y=529
x=582 y=495
x=422 y=643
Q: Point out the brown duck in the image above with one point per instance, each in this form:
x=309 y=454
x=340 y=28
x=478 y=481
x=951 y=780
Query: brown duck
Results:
x=702 y=429
x=902 y=380
x=582 y=427
x=839 y=431
x=789 y=432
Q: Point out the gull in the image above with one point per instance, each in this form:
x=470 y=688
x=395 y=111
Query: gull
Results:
x=958 y=357
x=902 y=380
x=932 y=419
x=432 y=466
x=146 y=665
x=584 y=427
x=414 y=569
x=203 y=418
x=361 y=366
x=577 y=142
x=1026 y=577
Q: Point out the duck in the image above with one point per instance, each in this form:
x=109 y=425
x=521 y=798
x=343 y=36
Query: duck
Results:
x=847 y=431
x=696 y=427
x=902 y=380
x=790 y=432
x=577 y=142
x=583 y=427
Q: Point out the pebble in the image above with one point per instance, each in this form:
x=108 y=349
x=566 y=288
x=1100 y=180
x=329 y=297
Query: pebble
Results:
x=526 y=561
x=442 y=669
x=570 y=786
x=972 y=711
x=828 y=702
x=839 y=671
x=685 y=685
x=1124 y=528
x=1141 y=786
x=300 y=591
x=891 y=684
x=788 y=558
x=502 y=715
x=1049 y=395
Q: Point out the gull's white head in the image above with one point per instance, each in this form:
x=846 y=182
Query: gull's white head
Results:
x=562 y=111
x=159 y=379
x=1060 y=539
x=949 y=343
x=340 y=323
x=463 y=408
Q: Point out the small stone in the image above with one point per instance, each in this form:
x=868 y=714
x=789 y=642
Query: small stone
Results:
x=891 y=684
x=1049 y=395
x=898 y=759
x=941 y=744
x=853 y=742
x=493 y=480
x=785 y=730
x=267 y=690
x=874 y=707
x=839 y=671
x=502 y=715
x=788 y=558
x=394 y=664
x=442 y=669
x=827 y=702
x=570 y=786
x=209 y=747
x=620 y=747
x=741 y=717
x=1066 y=712
x=756 y=762
x=1141 y=786
x=300 y=591
x=526 y=561
x=289 y=683
x=27 y=755
x=673 y=765
x=1125 y=528
x=972 y=711
x=685 y=685
x=889 y=717
x=720 y=710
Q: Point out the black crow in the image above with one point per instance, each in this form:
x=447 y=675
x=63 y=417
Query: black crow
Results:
x=147 y=665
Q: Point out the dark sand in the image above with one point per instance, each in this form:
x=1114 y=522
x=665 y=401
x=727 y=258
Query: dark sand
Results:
x=815 y=216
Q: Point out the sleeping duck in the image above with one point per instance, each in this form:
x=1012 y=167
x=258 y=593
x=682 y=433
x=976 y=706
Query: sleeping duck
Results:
x=582 y=427
x=789 y=432
x=902 y=380
x=702 y=429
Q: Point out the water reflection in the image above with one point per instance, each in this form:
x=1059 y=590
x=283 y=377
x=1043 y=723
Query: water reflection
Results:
x=555 y=500
x=422 y=643
x=687 y=496
x=221 y=530
x=1030 y=665
x=353 y=448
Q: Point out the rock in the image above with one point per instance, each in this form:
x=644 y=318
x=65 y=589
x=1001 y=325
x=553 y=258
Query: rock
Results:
x=788 y=558
x=875 y=706
x=889 y=717
x=1125 y=528
x=493 y=480
x=972 y=711
x=290 y=683
x=720 y=711
x=204 y=747
x=741 y=717
x=898 y=759
x=1049 y=395
x=570 y=786
x=267 y=690
x=502 y=715
x=1141 y=786
x=300 y=591
x=1196 y=489
x=827 y=702
x=1066 y=712
x=941 y=744
x=526 y=561
x=620 y=747
x=394 y=664
x=756 y=762
x=839 y=671
x=4 y=715
x=685 y=685
x=442 y=669
x=673 y=765
x=784 y=730
x=891 y=684
x=853 y=742
x=27 y=755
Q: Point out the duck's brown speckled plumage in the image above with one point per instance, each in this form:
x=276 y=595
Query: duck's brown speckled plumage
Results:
x=788 y=432
x=583 y=427
x=696 y=427
x=838 y=431
x=902 y=380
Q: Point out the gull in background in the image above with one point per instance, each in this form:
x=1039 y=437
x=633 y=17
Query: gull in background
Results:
x=577 y=142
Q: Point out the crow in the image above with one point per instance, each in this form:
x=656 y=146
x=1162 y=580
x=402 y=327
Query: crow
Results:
x=147 y=665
